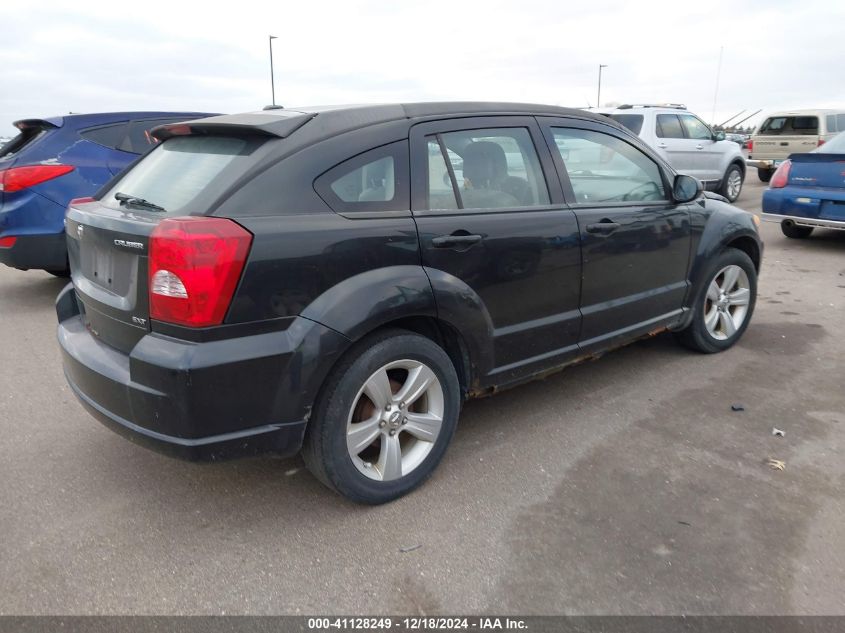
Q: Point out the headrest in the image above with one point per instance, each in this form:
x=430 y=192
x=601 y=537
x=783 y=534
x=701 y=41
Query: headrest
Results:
x=485 y=164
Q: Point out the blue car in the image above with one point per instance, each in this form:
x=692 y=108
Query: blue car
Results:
x=50 y=162
x=807 y=191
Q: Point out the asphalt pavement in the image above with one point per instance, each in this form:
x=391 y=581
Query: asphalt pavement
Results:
x=628 y=485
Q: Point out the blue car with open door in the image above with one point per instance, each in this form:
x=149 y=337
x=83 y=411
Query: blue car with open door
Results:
x=807 y=191
x=52 y=161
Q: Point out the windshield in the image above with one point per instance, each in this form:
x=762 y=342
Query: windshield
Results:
x=836 y=145
x=182 y=173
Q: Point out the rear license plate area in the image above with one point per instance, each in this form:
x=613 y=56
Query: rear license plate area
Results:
x=831 y=210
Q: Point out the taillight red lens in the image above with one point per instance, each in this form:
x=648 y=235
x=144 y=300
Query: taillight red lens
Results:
x=194 y=266
x=17 y=178
x=8 y=242
x=781 y=175
x=821 y=142
x=76 y=201
x=750 y=145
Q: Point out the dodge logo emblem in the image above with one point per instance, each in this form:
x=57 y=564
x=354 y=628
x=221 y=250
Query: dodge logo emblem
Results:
x=80 y=230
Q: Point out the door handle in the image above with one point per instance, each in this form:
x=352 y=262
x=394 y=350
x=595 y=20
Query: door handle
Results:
x=605 y=227
x=661 y=145
x=456 y=239
x=699 y=147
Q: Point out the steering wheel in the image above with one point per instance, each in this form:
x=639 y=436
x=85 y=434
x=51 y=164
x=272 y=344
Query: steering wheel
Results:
x=643 y=192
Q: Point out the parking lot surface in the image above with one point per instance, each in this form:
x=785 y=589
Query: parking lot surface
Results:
x=626 y=485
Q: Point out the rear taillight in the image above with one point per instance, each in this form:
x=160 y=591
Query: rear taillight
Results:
x=194 y=266
x=781 y=175
x=77 y=201
x=821 y=142
x=750 y=145
x=17 y=178
x=8 y=242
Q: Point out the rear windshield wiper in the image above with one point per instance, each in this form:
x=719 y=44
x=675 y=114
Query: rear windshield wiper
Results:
x=125 y=198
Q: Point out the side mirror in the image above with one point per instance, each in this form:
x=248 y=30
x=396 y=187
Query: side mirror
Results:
x=719 y=136
x=686 y=188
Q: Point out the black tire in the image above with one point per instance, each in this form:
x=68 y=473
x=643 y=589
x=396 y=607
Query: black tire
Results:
x=695 y=335
x=792 y=230
x=723 y=190
x=765 y=175
x=324 y=449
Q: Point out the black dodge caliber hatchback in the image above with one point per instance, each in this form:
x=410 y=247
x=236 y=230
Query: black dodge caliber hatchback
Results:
x=339 y=280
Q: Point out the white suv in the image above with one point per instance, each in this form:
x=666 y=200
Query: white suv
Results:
x=687 y=144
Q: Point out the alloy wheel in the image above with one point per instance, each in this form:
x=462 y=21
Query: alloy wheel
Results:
x=395 y=420
x=726 y=303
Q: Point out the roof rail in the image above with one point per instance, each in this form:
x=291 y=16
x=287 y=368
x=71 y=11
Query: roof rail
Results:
x=628 y=106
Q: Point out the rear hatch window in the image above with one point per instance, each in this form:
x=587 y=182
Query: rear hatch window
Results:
x=184 y=175
x=633 y=122
x=790 y=126
x=26 y=137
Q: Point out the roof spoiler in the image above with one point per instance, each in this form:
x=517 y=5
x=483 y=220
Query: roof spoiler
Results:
x=277 y=123
x=41 y=124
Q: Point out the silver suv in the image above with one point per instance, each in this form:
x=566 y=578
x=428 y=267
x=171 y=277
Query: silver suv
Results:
x=687 y=144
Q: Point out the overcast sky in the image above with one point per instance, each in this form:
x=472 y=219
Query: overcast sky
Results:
x=79 y=56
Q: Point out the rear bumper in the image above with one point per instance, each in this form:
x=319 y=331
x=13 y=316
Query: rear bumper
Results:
x=46 y=252
x=818 y=207
x=802 y=221
x=196 y=401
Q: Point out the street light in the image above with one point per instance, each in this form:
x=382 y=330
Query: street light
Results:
x=598 y=98
x=272 y=79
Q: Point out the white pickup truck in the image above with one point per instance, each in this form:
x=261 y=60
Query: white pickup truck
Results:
x=792 y=132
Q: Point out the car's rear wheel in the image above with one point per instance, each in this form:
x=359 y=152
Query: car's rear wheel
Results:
x=384 y=418
x=765 y=175
x=724 y=303
x=790 y=229
x=732 y=183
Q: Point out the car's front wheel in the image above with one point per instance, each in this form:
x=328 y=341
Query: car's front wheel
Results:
x=724 y=303
x=792 y=230
x=732 y=183
x=384 y=418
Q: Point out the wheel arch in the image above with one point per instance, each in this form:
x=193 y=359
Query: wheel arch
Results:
x=739 y=162
x=403 y=297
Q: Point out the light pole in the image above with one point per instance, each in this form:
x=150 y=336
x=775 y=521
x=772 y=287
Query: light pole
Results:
x=598 y=97
x=272 y=79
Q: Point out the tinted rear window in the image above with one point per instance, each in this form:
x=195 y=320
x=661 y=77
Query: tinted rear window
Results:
x=107 y=136
x=633 y=122
x=23 y=139
x=186 y=172
x=790 y=125
x=669 y=126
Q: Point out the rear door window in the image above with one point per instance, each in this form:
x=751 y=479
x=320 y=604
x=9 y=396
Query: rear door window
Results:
x=668 y=126
x=185 y=173
x=633 y=122
x=490 y=168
